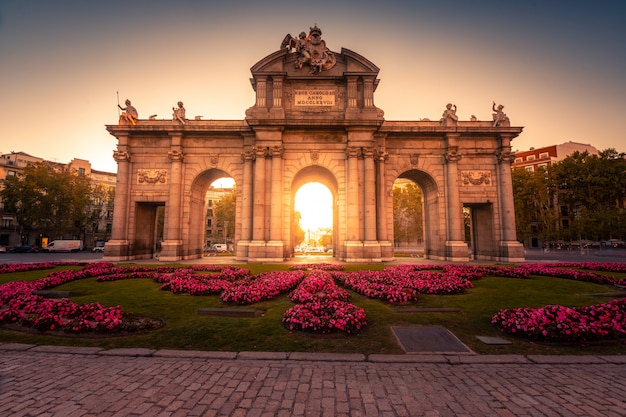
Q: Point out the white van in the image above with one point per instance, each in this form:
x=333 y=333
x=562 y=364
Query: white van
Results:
x=64 y=246
x=221 y=247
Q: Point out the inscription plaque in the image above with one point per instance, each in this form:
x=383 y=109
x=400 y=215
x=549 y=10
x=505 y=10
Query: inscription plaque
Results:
x=314 y=98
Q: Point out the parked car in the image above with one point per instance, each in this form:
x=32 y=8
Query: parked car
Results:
x=24 y=249
x=99 y=246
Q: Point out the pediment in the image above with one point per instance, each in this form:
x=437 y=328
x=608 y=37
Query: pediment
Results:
x=283 y=62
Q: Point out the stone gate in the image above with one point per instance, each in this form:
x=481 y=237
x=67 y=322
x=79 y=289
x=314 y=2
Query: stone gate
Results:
x=314 y=119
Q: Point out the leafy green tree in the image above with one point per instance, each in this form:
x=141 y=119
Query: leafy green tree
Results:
x=407 y=213
x=48 y=201
x=299 y=233
x=225 y=212
x=535 y=214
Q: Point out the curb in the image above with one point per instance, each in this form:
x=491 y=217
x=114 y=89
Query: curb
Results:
x=434 y=358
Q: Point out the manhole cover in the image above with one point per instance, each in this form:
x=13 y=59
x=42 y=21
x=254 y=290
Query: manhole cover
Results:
x=428 y=339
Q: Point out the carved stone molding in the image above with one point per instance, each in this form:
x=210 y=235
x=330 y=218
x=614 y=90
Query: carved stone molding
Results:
x=177 y=156
x=213 y=159
x=151 y=176
x=414 y=158
x=315 y=155
x=121 y=156
x=476 y=177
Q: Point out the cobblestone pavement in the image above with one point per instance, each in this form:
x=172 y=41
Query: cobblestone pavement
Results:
x=72 y=381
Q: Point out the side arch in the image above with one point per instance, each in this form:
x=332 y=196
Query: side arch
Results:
x=197 y=210
x=434 y=224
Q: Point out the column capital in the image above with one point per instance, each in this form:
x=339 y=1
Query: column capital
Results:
x=276 y=151
x=247 y=156
x=452 y=154
x=260 y=152
x=175 y=155
x=381 y=154
x=353 y=151
x=505 y=155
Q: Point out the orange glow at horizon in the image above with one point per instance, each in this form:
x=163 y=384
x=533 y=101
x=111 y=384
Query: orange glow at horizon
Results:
x=314 y=202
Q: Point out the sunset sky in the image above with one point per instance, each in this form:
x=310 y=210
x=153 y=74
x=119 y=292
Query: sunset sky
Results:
x=558 y=67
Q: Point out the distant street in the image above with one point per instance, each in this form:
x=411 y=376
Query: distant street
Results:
x=532 y=255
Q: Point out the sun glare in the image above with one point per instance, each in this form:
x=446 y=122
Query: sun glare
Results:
x=314 y=202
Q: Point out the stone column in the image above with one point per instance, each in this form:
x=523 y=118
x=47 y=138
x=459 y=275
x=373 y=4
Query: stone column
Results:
x=369 y=194
x=381 y=222
x=247 y=196
x=456 y=248
x=353 y=224
x=117 y=248
x=171 y=248
x=510 y=248
x=258 y=217
x=247 y=190
x=276 y=193
x=275 y=245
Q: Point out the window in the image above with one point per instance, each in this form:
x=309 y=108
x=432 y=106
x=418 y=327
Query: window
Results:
x=209 y=212
x=518 y=160
x=529 y=169
x=210 y=203
x=81 y=172
x=543 y=155
x=530 y=158
x=564 y=211
x=209 y=222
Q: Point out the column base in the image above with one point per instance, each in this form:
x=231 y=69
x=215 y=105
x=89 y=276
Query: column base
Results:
x=171 y=250
x=456 y=251
x=116 y=250
x=512 y=251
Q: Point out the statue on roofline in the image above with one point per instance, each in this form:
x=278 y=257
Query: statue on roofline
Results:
x=129 y=114
x=499 y=117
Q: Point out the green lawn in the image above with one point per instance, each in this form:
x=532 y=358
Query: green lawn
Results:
x=185 y=329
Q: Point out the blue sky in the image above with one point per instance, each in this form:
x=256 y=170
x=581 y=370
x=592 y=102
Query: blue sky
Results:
x=559 y=67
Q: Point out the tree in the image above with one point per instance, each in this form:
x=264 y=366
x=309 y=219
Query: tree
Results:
x=407 y=213
x=299 y=233
x=225 y=212
x=535 y=214
x=50 y=202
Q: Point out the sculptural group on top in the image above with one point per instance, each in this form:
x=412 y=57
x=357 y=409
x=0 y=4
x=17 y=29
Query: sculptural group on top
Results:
x=311 y=50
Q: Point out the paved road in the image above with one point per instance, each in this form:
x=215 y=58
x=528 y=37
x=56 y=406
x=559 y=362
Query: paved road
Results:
x=68 y=382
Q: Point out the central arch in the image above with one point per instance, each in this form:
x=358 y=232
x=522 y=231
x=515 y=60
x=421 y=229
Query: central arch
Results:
x=324 y=177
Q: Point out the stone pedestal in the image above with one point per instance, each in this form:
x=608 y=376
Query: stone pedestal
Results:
x=171 y=250
x=117 y=250
x=456 y=251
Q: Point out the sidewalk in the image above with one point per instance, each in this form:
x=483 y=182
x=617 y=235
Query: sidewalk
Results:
x=71 y=381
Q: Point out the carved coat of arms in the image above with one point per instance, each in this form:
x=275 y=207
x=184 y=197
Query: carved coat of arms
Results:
x=311 y=50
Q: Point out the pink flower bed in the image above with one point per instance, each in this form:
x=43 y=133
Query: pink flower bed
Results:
x=19 y=305
x=555 y=323
x=325 y=315
x=318 y=284
x=322 y=307
x=310 y=267
x=264 y=286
